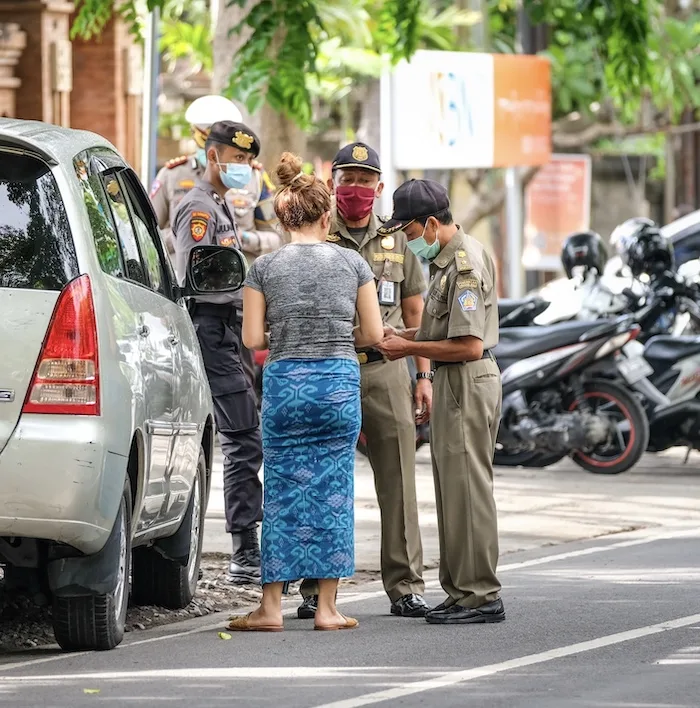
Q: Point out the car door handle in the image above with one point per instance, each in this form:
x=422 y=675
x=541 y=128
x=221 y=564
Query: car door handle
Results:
x=174 y=339
x=143 y=331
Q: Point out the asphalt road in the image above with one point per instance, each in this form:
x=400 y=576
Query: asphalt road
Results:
x=609 y=623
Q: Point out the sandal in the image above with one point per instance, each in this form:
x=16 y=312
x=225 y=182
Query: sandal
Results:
x=350 y=623
x=241 y=623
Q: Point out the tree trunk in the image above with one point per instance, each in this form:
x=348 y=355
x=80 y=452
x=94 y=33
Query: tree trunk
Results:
x=276 y=132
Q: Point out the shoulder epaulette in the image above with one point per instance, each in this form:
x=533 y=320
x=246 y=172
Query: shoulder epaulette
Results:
x=176 y=162
x=464 y=265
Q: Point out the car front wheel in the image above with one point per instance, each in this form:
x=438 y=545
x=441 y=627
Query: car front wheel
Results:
x=168 y=582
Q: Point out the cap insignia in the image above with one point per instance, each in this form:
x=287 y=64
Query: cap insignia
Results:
x=360 y=153
x=243 y=140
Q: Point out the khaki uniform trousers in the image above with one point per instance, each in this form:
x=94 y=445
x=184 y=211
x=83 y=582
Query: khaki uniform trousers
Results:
x=388 y=422
x=463 y=429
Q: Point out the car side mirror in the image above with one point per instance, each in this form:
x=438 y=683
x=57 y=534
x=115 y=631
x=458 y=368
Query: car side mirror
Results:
x=215 y=269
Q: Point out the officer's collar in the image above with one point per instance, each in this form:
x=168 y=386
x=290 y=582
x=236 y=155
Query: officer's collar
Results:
x=338 y=226
x=208 y=187
x=448 y=252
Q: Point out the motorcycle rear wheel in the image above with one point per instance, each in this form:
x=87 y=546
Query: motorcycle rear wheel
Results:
x=632 y=445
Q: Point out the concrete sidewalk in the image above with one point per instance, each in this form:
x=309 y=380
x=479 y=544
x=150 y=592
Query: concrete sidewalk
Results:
x=536 y=507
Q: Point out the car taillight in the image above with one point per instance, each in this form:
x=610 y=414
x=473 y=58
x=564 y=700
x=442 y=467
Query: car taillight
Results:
x=66 y=378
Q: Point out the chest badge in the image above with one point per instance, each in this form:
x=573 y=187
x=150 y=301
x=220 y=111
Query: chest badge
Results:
x=388 y=243
x=443 y=283
x=333 y=238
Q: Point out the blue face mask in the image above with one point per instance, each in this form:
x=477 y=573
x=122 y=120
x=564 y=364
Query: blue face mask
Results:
x=201 y=156
x=422 y=249
x=235 y=176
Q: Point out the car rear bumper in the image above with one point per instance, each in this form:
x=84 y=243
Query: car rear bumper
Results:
x=59 y=482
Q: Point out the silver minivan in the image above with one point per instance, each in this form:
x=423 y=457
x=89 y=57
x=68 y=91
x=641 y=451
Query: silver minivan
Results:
x=106 y=422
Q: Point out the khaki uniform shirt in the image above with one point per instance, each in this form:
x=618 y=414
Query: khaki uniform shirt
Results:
x=397 y=271
x=252 y=206
x=462 y=299
x=203 y=218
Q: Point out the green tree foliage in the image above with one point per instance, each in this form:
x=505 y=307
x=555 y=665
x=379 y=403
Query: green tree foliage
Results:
x=617 y=53
x=625 y=52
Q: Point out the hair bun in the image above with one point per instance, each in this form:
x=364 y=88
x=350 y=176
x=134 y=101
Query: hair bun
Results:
x=289 y=170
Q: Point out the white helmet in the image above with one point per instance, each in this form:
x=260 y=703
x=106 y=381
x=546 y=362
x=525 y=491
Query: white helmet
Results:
x=207 y=110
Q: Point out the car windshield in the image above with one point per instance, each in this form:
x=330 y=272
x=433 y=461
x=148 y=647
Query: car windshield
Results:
x=36 y=247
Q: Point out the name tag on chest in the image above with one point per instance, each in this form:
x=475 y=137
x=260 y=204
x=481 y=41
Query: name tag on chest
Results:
x=387 y=292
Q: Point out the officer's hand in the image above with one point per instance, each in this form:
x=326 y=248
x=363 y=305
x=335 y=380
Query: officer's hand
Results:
x=389 y=330
x=256 y=165
x=393 y=347
x=424 y=400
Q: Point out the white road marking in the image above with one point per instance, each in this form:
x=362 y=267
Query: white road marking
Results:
x=689 y=655
x=357 y=597
x=457 y=677
x=227 y=672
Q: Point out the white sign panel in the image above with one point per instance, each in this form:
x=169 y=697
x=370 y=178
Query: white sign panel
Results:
x=443 y=111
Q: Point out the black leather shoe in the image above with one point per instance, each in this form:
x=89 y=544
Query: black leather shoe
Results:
x=307 y=609
x=410 y=606
x=244 y=568
x=456 y=614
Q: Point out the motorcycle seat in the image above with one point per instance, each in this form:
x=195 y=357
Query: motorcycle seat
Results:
x=522 y=342
x=508 y=305
x=665 y=349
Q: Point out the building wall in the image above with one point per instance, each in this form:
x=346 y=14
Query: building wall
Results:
x=44 y=22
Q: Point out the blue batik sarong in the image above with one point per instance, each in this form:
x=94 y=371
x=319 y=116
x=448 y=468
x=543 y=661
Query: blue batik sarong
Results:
x=311 y=420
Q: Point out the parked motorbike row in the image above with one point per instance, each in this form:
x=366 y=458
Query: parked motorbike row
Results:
x=605 y=392
x=596 y=366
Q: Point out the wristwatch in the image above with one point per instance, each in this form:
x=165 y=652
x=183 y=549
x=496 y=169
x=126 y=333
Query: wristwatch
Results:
x=424 y=375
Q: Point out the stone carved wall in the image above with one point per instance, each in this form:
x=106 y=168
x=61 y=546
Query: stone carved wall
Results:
x=12 y=44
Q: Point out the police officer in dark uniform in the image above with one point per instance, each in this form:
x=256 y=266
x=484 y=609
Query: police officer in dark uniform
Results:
x=204 y=218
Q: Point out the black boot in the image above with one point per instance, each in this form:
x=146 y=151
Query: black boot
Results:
x=245 y=559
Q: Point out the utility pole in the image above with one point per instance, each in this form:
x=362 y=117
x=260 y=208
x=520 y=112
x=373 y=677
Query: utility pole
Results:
x=528 y=40
x=149 y=120
x=514 y=189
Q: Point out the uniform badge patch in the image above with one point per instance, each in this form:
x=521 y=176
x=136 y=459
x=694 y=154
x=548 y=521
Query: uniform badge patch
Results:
x=155 y=187
x=198 y=227
x=443 y=282
x=226 y=242
x=333 y=238
x=388 y=243
x=360 y=153
x=187 y=184
x=242 y=140
x=467 y=301
x=468 y=282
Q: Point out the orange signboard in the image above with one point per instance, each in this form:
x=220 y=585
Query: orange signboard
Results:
x=557 y=203
x=522 y=110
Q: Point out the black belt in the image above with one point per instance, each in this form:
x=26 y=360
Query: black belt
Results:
x=488 y=354
x=369 y=357
x=210 y=309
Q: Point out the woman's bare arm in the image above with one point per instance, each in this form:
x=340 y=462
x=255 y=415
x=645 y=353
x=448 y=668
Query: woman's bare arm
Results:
x=370 y=331
x=254 y=310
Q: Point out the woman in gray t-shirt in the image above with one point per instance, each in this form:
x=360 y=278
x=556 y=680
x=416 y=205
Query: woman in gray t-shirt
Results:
x=309 y=293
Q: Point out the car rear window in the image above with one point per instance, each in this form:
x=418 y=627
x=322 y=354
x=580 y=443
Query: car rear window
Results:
x=36 y=247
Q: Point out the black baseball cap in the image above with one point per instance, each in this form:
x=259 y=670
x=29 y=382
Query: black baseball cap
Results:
x=415 y=199
x=357 y=155
x=227 y=132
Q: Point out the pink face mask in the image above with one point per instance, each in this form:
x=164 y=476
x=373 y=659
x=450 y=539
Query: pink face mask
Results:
x=354 y=203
